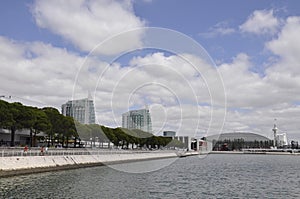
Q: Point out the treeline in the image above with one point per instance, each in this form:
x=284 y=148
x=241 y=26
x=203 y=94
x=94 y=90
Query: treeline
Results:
x=61 y=129
x=57 y=127
x=124 y=138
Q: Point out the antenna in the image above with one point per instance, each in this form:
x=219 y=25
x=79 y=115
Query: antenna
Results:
x=275 y=133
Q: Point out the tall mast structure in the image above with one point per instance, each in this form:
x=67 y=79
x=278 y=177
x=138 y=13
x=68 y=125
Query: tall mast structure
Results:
x=275 y=134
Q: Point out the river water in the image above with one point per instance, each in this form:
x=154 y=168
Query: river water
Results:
x=213 y=176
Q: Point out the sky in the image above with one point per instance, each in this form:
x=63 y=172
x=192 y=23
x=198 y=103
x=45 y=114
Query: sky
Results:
x=202 y=67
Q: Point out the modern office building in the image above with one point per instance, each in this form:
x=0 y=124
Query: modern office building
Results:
x=137 y=119
x=82 y=110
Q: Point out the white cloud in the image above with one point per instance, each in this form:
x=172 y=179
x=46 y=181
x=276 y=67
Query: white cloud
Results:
x=37 y=71
x=171 y=86
x=285 y=73
x=243 y=87
x=261 y=22
x=221 y=28
x=165 y=83
x=287 y=45
x=88 y=23
x=254 y=100
x=45 y=73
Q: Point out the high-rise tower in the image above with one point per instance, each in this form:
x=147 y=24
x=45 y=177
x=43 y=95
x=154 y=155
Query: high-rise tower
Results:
x=81 y=110
x=137 y=119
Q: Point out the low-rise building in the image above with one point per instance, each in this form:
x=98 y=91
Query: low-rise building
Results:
x=169 y=133
x=22 y=137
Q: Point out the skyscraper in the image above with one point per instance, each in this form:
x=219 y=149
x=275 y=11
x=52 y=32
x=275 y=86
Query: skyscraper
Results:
x=81 y=110
x=137 y=119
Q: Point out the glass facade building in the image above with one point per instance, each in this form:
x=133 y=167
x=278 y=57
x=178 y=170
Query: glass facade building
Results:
x=82 y=110
x=169 y=133
x=137 y=119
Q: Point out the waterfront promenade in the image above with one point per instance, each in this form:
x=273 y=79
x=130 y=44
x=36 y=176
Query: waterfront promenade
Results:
x=16 y=162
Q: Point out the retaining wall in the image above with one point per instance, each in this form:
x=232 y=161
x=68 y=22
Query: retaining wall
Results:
x=30 y=164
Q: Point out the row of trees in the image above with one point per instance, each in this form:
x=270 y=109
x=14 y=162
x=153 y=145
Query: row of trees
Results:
x=61 y=129
x=124 y=138
x=15 y=116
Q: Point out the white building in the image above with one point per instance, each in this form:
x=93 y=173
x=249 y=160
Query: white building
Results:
x=137 y=119
x=81 y=110
x=281 y=140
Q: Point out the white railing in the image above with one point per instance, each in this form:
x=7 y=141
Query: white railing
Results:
x=66 y=152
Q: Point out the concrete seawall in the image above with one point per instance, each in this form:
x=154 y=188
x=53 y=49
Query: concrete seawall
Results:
x=10 y=166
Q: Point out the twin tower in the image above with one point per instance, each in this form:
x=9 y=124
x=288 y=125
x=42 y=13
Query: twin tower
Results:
x=83 y=111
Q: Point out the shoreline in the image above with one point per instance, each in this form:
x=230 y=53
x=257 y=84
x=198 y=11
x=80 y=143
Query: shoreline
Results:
x=253 y=153
x=18 y=172
x=24 y=165
x=14 y=166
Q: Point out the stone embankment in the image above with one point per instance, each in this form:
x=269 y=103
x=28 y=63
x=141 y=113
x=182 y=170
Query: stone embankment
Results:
x=16 y=165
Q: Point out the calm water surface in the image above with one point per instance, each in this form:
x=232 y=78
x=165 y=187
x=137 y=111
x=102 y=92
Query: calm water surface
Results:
x=216 y=176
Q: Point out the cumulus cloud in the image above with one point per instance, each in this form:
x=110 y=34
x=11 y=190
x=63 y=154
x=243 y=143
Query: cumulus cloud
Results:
x=178 y=92
x=221 y=28
x=244 y=88
x=287 y=45
x=37 y=71
x=261 y=22
x=168 y=84
x=88 y=23
x=177 y=95
x=285 y=73
x=254 y=100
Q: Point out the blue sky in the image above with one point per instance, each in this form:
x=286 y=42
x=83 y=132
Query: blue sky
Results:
x=253 y=44
x=195 y=19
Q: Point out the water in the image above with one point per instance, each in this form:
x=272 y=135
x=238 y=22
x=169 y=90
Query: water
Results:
x=216 y=176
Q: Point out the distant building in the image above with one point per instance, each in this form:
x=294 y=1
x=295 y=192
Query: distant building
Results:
x=81 y=110
x=186 y=140
x=169 y=133
x=237 y=141
x=281 y=140
x=22 y=137
x=137 y=119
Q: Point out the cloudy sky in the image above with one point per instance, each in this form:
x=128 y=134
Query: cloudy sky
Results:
x=203 y=66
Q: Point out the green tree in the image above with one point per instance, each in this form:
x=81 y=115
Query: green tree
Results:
x=41 y=124
x=23 y=118
x=6 y=117
x=55 y=119
x=67 y=129
x=109 y=133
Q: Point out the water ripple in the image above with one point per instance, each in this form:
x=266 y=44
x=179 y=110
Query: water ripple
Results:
x=217 y=176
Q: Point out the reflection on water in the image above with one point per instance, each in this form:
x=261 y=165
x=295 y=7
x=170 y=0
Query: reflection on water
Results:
x=216 y=176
